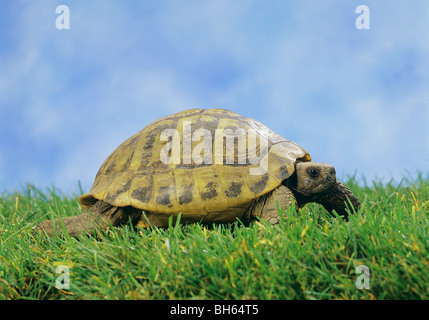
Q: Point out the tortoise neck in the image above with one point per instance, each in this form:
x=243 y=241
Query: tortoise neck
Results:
x=300 y=197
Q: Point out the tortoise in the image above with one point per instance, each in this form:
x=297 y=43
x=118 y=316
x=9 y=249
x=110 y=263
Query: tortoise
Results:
x=210 y=165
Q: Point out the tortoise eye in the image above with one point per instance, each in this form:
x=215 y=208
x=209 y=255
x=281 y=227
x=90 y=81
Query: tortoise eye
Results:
x=313 y=172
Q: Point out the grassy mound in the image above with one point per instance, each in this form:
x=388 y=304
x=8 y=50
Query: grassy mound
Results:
x=311 y=255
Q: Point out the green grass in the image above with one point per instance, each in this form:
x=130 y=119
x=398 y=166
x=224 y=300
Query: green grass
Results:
x=309 y=256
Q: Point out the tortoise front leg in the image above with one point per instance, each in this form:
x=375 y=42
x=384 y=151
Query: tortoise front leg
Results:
x=100 y=215
x=265 y=207
x=338 y=199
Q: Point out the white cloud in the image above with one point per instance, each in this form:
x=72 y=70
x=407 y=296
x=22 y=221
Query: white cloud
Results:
x=301 y=68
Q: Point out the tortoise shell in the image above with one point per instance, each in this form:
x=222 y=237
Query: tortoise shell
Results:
x=207 y=164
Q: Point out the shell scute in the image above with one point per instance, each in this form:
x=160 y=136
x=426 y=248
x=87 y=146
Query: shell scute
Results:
x=214 y=176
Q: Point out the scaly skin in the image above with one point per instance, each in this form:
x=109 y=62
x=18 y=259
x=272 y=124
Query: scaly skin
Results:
x=338 y=199
x=100 y=215
x=265 y=207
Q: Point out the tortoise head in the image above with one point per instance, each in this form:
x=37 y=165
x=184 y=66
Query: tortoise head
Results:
x=314 y=178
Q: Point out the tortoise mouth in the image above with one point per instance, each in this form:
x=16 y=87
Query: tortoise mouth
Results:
x=321 y=188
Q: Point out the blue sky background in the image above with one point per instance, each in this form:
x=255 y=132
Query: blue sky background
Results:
x=358 y=99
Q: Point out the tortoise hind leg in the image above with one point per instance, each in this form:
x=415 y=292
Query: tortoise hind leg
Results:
x=265 y=207
x=100 y=215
